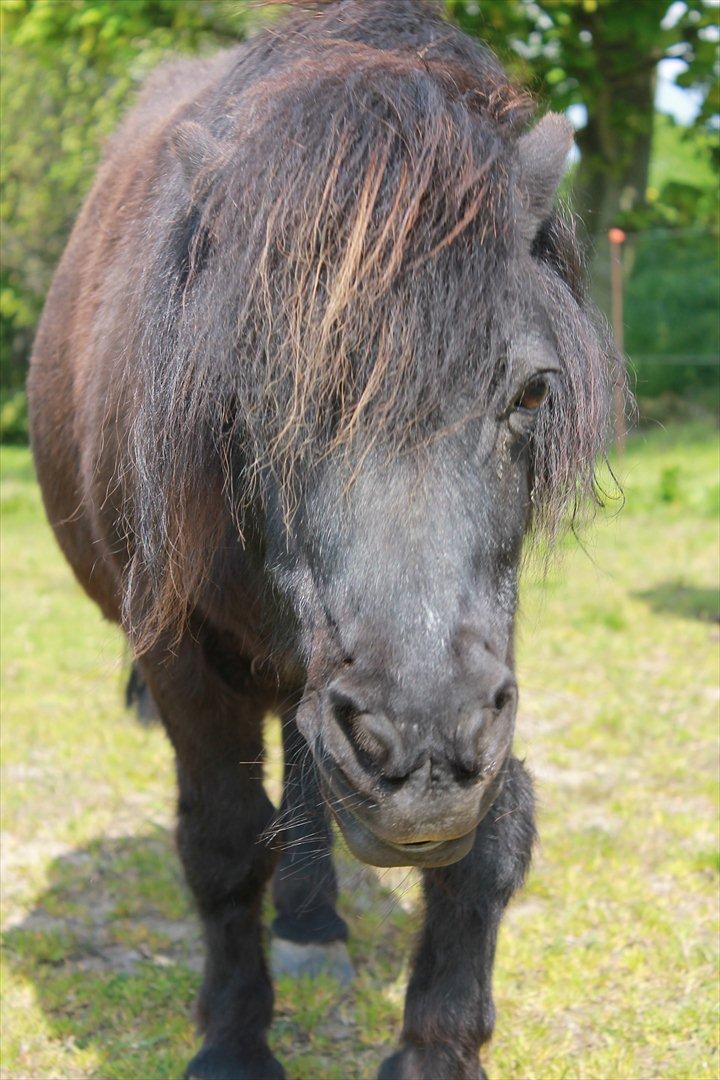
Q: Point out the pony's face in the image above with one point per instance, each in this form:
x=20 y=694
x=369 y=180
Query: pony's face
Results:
x=402 y=570
x=403 y=574
x=407 y=363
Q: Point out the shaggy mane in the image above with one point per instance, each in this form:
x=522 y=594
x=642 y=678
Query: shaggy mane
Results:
x=335 y=255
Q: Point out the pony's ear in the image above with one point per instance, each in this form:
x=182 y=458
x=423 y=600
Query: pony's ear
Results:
x=194 y=147
x=542 y=154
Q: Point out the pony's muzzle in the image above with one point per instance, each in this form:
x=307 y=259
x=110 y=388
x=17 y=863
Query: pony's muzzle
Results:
x=403 y=794
x=452 y=747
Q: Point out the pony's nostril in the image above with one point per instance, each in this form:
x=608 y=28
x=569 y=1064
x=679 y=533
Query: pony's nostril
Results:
x=370 y=736
x=501 y=699
x=481 y=728
x=467 y=744
x=504 y=695
x=370 y=740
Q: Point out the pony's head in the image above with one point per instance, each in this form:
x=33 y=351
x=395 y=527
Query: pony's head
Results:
x=378 y=348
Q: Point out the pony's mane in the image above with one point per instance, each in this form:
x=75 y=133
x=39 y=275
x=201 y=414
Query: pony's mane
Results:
x=337 y=259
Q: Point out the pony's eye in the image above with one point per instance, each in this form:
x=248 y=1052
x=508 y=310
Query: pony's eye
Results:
x=534 y=394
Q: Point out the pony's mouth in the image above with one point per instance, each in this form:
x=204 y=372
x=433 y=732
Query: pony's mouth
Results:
x=365 y=843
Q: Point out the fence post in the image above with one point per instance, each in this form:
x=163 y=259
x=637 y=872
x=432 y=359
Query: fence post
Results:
x=617 y=239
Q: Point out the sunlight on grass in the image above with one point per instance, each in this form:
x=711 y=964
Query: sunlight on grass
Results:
x=607 y=963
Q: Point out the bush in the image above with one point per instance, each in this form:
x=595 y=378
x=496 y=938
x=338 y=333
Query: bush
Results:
x=68 y=72
x=14 y=426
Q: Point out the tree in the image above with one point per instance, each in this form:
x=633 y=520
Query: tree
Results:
x=603 y=54
x=68 y=71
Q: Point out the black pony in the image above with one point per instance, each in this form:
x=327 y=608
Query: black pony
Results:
x=315 y=360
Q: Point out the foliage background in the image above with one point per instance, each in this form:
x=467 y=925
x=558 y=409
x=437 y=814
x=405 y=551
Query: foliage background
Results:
x=70 y=67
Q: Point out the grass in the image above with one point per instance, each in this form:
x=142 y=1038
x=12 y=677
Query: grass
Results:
x=607 y=961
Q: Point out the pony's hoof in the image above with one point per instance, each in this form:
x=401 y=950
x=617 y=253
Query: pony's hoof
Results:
x=423 y=1063
x=217 y=1063
x=313 y=958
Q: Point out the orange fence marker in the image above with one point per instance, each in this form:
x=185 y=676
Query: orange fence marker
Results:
x=617 y=239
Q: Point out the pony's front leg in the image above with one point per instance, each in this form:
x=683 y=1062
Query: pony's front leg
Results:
x=223 y=821
x=308 y=934
x=449 y=1011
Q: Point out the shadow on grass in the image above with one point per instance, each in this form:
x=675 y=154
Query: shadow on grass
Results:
x=687 y=601
x=112 y=950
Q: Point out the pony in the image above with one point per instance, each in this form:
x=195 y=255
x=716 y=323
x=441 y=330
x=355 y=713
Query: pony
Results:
x=316 y=362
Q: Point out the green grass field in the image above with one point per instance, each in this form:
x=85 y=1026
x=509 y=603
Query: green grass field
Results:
x=607 y=964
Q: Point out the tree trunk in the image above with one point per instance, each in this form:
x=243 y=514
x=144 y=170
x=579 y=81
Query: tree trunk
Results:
x=612 y=176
